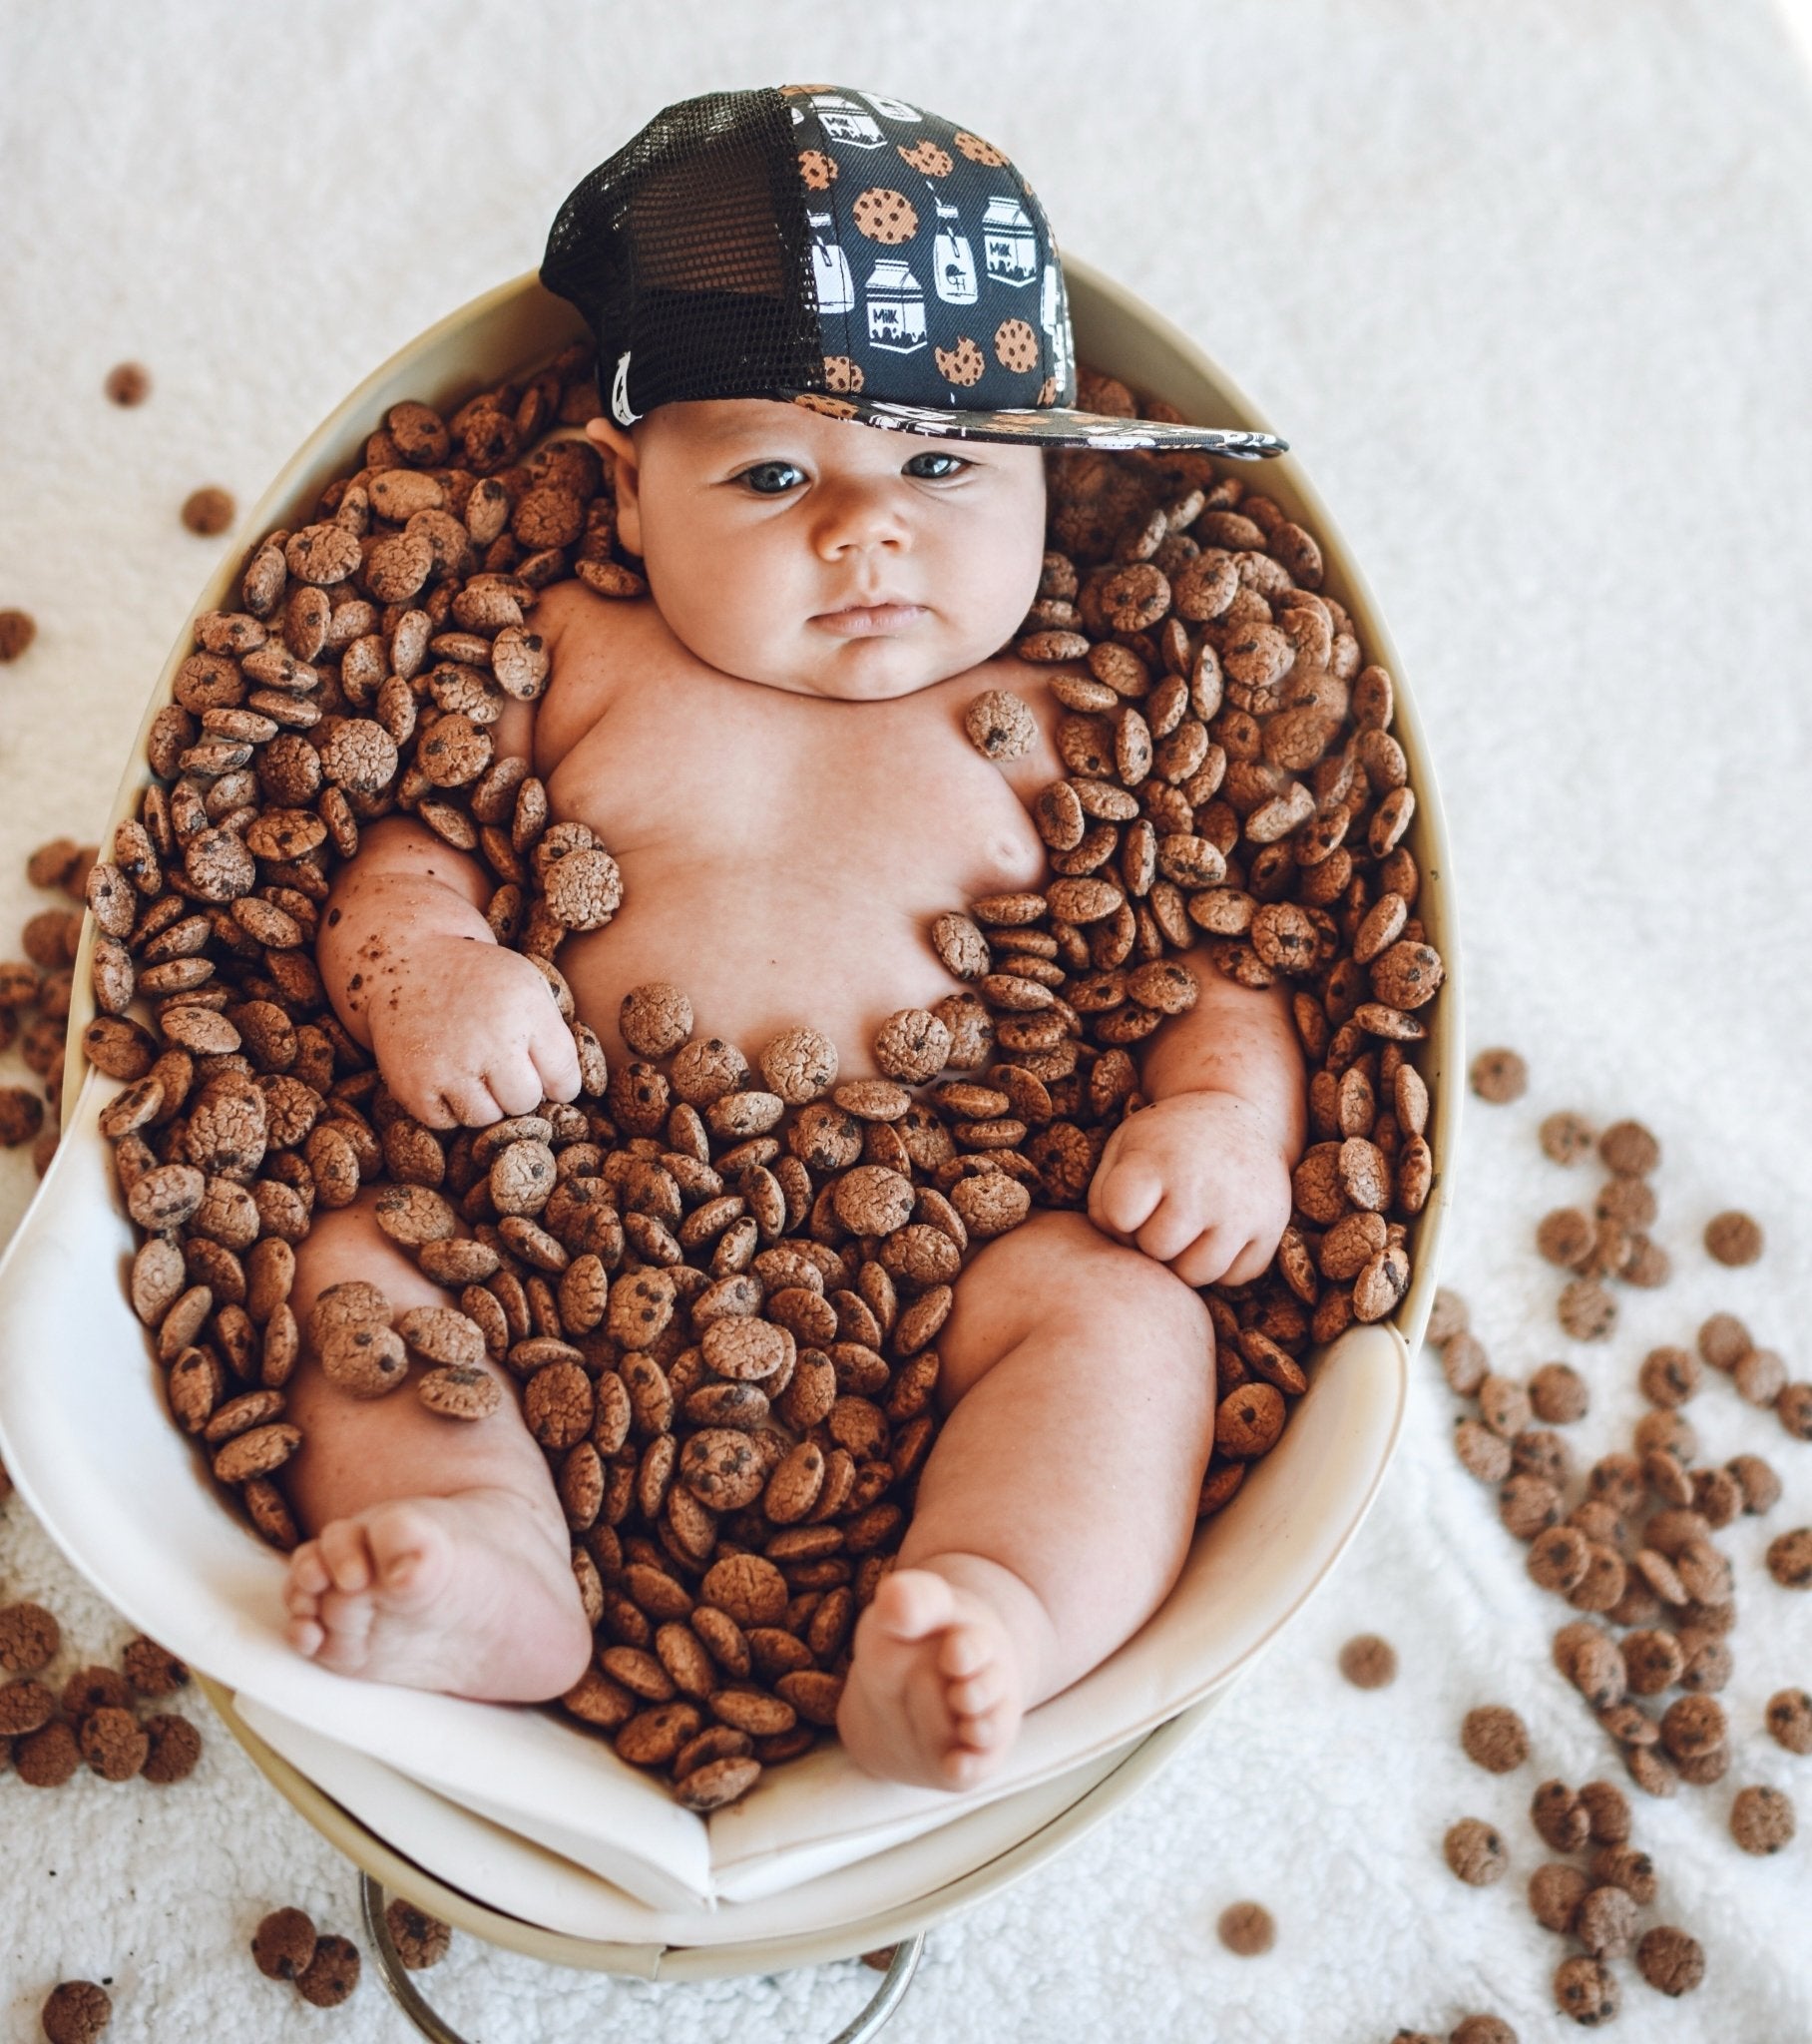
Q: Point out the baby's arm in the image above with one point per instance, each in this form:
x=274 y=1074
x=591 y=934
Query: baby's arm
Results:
x=464 y=1030
x=1201 y=1178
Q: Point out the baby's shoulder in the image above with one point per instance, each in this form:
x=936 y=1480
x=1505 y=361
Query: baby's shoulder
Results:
x=583 y=634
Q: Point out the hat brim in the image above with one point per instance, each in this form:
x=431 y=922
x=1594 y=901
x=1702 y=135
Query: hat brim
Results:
x=1049 y=425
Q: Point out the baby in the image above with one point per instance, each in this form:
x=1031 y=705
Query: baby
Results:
x=772 y=745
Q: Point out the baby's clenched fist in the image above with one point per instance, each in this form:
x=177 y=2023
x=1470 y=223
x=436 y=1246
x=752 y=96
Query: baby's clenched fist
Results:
x=467 y=1032
x=1199 y=1180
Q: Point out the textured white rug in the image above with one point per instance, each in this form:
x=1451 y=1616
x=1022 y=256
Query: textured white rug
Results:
x=1529 y=297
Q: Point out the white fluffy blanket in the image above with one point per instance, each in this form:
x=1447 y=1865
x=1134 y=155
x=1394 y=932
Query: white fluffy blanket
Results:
x=1528 y=293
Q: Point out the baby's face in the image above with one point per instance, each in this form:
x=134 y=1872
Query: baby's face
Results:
x=757 y=521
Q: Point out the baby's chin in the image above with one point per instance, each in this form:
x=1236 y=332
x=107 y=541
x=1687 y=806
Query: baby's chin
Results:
x=858 y=670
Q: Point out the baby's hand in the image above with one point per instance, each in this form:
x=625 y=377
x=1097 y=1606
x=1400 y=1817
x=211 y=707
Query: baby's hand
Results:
x=466 y=1032
x=1199 y=1180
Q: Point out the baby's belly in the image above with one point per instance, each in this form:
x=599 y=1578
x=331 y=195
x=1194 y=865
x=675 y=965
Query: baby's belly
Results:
x=760 y=956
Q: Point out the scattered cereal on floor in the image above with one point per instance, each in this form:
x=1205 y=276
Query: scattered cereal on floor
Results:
x=1369 y=1661
x=1734 y=1237
x=208 y=510
x=1496 y=1737
x=421 y=1940
x=76 y=2012
x=1671 y=1960
x=128 y=383
x=1475 y=1851
x=283 y=1943
x=1762 y=1819
x=1567 y=1136
x=332 y=1975
x=1500 y=1076
x=17 y=631
x=1247 y=1928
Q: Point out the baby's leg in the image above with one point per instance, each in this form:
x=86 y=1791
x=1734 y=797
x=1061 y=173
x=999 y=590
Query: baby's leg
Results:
x=440 y=1557
x=1056 y=1508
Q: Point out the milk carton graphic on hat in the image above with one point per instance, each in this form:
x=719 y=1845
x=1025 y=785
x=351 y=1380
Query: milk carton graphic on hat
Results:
x=1009 y=243
x=835 y=287
x=891 y=108
x=1053 y=317
x=896 y=306
x=843 y=120
x=952 y=260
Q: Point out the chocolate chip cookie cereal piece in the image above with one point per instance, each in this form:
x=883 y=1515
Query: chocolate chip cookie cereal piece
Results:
x=1723 y=1340
x=1585 y=1989
x=1247 y=1928
x=656 y=1018
x=1630 y=1148
x=151 y=1670
x=1558 y=1816
x=1494 y=1736
x=1001 y=725
x=460 y=1391
x=1447 y=1317
x=76 y=2012
x=48 y=1757
x=1670 y=1959
x=1475 y=1851
x=1499 y=1075
x=128 y=383
x=1789 y=1719
x=421 y=1940
x=176 y=1746
x=1604 y=1921
x=1733 y=1237
x=1762 y=1819
x=17 y=631
x=283 y=1943
x=1789 y=1563
x=332 y=1975
x=1557 y=1394
x=1608 y=1811
x=1483 y=2029
x=208 y=510
x=912 y=1046
x=1368 y=1661
x=1586 y=1311
x=29 y=1638
x=1565 y=1137
x=799 y=1064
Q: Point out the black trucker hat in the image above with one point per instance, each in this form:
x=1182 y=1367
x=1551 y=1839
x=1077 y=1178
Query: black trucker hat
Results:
x=841 y=249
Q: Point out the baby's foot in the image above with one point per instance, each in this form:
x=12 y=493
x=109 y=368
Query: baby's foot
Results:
x=467 y=1594
x=935 y=1691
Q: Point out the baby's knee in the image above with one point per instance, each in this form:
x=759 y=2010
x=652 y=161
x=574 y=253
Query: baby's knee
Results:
x=1058 y=1273
x=345 y=1242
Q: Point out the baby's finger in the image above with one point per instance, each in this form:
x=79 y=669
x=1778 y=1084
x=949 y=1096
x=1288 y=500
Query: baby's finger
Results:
x=1204 y=1261
x=556 y=1060
x=1248 y=1264
x=1129 y=1192
x=516 y=1085
x=472 y=1103
x=1170 y=1229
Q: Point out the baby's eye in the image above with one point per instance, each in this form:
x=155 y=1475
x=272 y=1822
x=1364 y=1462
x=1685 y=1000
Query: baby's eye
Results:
x=943 y=474
x=762 y=468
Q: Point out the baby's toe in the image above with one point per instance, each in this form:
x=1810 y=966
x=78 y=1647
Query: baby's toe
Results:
x=965 y=1650
x=410 y=1551
x=307 y=1571
x=973 y=1695
x=347 y=1555
x=910 y=1603
x=304 y=1634
x=346 y=1617
x=980 y=1731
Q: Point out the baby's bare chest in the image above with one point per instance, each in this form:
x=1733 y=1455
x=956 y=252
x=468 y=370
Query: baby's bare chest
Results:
x=783 y=855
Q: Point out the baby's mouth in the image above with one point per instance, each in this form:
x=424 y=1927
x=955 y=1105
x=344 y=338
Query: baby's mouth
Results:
x=867 y=620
